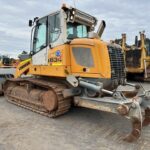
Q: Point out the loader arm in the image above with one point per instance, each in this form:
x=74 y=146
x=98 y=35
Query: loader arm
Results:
x=23 y=68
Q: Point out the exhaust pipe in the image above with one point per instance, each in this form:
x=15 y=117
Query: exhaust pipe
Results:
x=123 y=45
x=142 y=38
x=136 y=41
x=101 y=28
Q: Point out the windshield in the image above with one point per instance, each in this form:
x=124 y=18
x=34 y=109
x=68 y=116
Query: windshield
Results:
x=76 y=30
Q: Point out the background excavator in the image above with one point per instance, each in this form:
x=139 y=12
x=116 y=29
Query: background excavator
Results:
x=8 y=67
x=71 y=65
x=7 y=70
x=137 y=57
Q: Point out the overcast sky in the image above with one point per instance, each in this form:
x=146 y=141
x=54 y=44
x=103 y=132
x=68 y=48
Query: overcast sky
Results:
x=121 y=16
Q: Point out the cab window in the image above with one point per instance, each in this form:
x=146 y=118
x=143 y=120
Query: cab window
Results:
x=40 y=36
x=54 y=27
x=76 y=30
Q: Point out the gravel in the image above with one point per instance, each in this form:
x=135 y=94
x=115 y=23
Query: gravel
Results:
x=79 y=129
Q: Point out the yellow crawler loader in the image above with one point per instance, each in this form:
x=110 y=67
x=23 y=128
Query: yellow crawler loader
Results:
x=137 y=57
x=7 y=70
x=71 y=65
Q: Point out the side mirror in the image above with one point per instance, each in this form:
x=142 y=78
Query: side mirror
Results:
x=31 y=53
x=30 y=23
x=35 y=19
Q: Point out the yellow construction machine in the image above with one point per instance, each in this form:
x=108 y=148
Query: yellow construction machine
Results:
x=71 y=65
x=5 y=61
x=137 y=57
x=7 y=70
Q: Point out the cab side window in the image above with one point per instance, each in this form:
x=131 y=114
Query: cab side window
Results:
x=54 y=27
x=40 y=35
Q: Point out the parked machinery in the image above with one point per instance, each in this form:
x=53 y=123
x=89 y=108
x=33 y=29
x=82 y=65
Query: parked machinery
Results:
x=70 y=64
x=137 y=57
x=7 y=70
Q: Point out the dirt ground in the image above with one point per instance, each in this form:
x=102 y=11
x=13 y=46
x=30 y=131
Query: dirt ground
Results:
x=80 y=129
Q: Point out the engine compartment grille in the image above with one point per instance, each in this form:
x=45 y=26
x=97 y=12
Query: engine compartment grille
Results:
x=118 y=73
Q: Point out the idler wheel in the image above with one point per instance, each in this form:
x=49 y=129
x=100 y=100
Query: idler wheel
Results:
x=50 y=101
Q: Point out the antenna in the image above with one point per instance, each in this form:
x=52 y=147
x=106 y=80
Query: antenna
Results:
x=62 y=2
x=74 y=1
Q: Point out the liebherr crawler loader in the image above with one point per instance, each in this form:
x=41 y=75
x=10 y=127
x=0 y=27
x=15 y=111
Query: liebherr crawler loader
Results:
x=71 y=65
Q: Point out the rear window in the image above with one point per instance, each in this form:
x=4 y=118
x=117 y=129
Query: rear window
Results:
x=83 y=56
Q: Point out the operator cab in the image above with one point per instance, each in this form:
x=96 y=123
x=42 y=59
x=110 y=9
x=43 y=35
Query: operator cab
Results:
x=59 y=28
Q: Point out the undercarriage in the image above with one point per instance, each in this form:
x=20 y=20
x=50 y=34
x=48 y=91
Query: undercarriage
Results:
x=54 y=98
x=38 y=96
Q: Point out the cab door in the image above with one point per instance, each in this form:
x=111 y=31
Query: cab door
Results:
x=40 y=48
